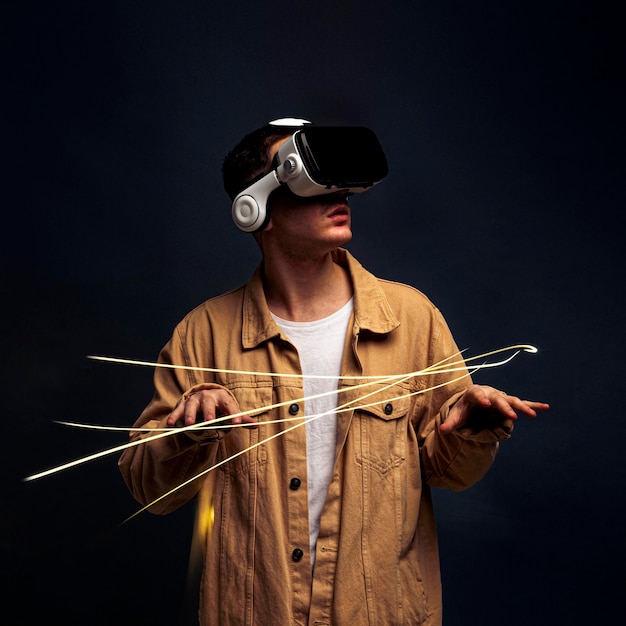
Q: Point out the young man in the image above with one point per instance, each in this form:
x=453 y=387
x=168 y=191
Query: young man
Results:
x=319 y=508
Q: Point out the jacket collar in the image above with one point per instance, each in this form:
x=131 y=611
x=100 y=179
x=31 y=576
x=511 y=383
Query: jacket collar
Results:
x=372 y=311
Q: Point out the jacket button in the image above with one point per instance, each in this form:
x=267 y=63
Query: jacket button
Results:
x=293 y=408
x=295 y=483
x=388 y=408
x=297 y=554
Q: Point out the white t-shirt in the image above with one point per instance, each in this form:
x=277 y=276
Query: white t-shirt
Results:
x=320 y=348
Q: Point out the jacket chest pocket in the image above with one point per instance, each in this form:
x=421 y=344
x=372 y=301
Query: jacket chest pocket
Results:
x=255 y=400
x=380 y=428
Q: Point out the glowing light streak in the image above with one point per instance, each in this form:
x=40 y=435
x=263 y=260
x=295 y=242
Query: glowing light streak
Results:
x=444 y=366
x=435 y=367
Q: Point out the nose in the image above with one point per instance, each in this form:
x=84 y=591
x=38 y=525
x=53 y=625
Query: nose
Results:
x=338 y=196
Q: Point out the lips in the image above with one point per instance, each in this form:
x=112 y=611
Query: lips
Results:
x=341 y=210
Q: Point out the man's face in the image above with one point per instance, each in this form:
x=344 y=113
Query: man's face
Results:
x=308 y=225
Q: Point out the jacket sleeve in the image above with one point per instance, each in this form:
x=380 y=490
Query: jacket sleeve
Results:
x=461 y=458
x=159 y=466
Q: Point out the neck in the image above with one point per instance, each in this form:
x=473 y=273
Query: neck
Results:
x=304 y=290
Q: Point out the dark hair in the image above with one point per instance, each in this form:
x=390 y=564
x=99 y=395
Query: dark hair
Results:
x=250 y=157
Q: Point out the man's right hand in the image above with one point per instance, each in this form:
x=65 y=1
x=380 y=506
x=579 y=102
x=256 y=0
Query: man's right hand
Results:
x=206 y=405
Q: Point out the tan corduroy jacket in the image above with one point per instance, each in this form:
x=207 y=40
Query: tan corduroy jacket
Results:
x=376 y=561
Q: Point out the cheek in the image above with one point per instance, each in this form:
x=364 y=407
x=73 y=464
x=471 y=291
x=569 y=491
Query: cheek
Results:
x=293 y=217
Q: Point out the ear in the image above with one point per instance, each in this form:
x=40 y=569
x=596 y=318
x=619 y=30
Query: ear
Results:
x=249 y=208
x=248 y=214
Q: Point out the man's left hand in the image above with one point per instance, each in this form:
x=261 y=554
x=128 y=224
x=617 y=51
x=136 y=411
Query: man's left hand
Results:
x=478 y=397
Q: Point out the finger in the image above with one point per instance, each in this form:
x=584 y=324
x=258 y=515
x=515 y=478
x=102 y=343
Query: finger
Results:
x=456 y=417
x=537 y=406
x=186 y=411
x=250 y=422
x=530 y=408
x=479 y=394
x=448 y=426
x=176 y=414
x=208 y=407
x=229 y=406
x=508 y=405
x=526 y=407
x=191 y=408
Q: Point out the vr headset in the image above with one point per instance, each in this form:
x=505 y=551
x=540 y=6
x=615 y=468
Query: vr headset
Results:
x=315 y=160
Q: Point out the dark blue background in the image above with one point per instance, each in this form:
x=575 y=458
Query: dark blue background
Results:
x=503 y=126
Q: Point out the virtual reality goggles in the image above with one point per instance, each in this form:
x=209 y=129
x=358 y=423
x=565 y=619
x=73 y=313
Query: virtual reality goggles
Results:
x=315 y=160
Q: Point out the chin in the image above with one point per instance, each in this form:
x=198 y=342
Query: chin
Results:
x=344 y=237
